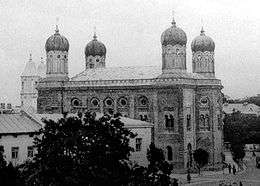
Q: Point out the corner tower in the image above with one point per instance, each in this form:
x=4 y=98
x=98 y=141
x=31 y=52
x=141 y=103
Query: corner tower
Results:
x=203 y=55
x=173 y=42
x=95 y=54
x=29 y=80
x=57 y=47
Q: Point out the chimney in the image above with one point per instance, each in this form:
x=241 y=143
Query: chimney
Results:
x=9 y=106
x=2 y=106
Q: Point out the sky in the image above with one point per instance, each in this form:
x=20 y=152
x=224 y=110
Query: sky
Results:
x=131 y=31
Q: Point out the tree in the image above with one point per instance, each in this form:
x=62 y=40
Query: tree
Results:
x=201 y=157
x=238 y=152
x=81 y=151
x=159 y=170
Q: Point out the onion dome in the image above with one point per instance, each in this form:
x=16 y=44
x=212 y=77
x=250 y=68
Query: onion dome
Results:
x=173 y=36
x=202 y=43
x=57 y=42
x=95 y=48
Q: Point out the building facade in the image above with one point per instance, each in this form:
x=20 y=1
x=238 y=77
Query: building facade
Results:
x=185 y=107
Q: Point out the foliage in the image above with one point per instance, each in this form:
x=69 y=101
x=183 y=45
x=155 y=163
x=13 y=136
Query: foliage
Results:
x=9 y=175
x=81 y=151
x=201 y=157
x=156 y=174
x=238 y=152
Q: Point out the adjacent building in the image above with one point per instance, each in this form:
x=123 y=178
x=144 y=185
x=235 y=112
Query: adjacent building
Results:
x=245 y=108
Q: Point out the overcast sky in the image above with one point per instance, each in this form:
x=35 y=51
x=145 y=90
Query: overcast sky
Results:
x=131 y=31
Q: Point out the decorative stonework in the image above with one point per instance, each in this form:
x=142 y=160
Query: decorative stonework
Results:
x=95 y=62
x=174 y=57
x=203 y=62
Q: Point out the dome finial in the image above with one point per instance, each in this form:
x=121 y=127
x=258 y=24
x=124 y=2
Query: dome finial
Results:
x=202 y=32
x=57 y=28
x=95 y=33
x=173 y=20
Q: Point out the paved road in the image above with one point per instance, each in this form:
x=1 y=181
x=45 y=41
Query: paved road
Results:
x=251 y=176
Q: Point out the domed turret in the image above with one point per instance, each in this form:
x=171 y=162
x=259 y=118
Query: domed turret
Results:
x=203 y=48
x=202 y=43
x=173 y=42
x=57 y=47
x=57 y=42
x=173 y=36
x=95 y=54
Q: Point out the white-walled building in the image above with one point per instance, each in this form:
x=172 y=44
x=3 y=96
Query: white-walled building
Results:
x=16 y=136
x=245 y=108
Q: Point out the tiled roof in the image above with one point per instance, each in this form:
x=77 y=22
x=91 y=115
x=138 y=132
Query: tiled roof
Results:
x=127 y=73
x=118 y=73
x=17 y=123
x=244 y=108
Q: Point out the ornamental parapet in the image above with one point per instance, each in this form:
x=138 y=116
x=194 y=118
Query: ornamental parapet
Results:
x=130 y=82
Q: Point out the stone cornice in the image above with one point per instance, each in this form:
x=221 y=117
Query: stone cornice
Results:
x=130 y=83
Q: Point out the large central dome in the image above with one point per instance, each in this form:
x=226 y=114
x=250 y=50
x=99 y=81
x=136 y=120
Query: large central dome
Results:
x=173 y=36
x=95 y=48
x=57 y=42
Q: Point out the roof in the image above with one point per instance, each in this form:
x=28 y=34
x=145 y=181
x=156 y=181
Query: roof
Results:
x=17 y=123
x=128 y=122
x=244 y=108
x=30 y=68
x=126 y=73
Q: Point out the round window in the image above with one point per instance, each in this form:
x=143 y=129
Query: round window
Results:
x=75 y=102
x=123 y=102
x=109 y=102
x=143 y=102
x=58 y=56
x=94 y=102
x=97 y=60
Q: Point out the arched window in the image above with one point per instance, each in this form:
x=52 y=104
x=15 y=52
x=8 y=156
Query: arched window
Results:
x=169 y=153
x=166 y=121
x=202 y=122
x=207 y=124
x=171 y=121
x=188 y=122
x=145 y=118
x=141 y=117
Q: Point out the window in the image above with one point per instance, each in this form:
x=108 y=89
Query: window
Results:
x=207 y=122
x=91 y=65
x=122 y=102
x=97 y=60
x=169 y=153
x=58 y=56
x=108 y=102
x=95 y=102
x=65 y=56
x=169 y=121
x=188 y=122
x=22 y=85
x=15 y=151
x=166 y=121
x=75 y=102
x=138 y=144
x=143 y=101
x=202 y=122
x=30 y=151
